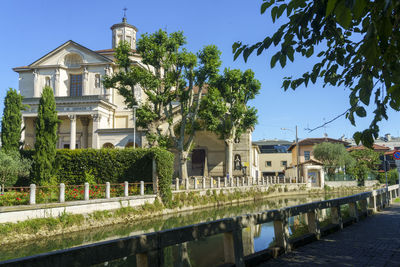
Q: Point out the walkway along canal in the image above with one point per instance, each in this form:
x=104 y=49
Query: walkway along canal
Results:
x=166 y=247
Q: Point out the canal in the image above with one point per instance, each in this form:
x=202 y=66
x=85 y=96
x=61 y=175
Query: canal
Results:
x=255 y=238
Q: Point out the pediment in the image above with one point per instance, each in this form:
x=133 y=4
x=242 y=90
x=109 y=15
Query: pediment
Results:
x=70 y=54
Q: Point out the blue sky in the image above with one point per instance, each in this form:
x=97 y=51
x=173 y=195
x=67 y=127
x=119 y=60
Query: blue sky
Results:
x=30 y=29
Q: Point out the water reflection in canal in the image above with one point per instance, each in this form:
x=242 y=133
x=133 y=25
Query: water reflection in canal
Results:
x=255 y=238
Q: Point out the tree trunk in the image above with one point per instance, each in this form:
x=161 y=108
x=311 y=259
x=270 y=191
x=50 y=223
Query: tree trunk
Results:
x=183 y=157
x=229 y=157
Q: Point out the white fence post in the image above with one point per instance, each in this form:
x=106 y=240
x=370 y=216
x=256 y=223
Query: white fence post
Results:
x=86 y=191
x=211 y=182
x=61 y=197
x=32 y=194
x=195 y=182
x=177 y=184
x=126 y=189
x=107 y=189
x=187 y=183
x=219 y=182
x=141 y=188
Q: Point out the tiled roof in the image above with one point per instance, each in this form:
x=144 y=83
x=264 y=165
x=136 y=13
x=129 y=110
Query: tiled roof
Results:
x=374 y=147
x=22 y=67
x=313 y=141
x=111 y=50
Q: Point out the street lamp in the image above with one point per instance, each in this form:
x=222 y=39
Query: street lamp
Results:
x=134 y=125
x=297 y=152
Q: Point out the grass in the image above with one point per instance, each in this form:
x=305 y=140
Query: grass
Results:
x=397 y=200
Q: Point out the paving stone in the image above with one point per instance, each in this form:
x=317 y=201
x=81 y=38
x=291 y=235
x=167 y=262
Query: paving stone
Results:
x=374 y=241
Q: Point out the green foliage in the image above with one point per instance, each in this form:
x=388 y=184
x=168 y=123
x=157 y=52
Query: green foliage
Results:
x=224 y=109
x=98 y=166
x=11 y=121
x=165 y=170
x=367 y=161
x=46 y=139
x=356 y=43
x=392 y=177
x=12 y=166
x=333 y=156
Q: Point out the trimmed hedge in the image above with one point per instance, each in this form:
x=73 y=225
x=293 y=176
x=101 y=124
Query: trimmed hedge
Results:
x=112 y=165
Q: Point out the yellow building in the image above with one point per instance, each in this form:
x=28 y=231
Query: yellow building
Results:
x=310 y=169
x=274 y=156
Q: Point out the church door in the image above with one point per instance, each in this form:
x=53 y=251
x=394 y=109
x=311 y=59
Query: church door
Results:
x=198 y=160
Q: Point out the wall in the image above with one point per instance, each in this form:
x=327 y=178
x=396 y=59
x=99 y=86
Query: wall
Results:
x=81 y=207
x=368 y=183
x=275 y=159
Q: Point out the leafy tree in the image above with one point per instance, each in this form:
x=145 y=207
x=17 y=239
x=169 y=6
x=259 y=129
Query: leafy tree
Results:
x=46 y=138
x=367 y=161
x=356 y=43
x=173 y=82
x=154 y=74
x=12 y=166
x=11 y=122
x=392 y=176
x=333 y=156
x=225 y=111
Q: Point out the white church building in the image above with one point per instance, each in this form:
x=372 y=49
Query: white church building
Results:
x=94 y=117
x=91 y=116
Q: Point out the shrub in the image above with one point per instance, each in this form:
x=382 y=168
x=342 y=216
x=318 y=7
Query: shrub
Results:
x=78 y=166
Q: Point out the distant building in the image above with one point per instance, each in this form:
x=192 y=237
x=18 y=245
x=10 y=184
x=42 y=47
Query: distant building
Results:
x=274 y=156
x=309 y=168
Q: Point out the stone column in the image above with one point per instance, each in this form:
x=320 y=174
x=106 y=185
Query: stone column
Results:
x=72 y=138
x=86 y=192
x=142 y=188
x=57 y=82
x=281 y=230
x=96 y=125
x=107 y=190
x=313 y=223
x=36 y=89
x=353 y=211
x=126 y=189
x=85 y=82
x=61 y=197
x=336 y=216
x=233 y=247
x=32 y=194
x=85 y=130
x=23 y=131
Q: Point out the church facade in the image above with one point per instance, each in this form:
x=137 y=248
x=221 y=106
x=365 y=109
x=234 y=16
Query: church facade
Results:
x=92 y=116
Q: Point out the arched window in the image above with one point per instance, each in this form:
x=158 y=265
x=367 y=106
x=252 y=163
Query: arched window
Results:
x=73 y=60
x=108 y=145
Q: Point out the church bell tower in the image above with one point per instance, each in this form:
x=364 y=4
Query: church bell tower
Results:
x=124 y=32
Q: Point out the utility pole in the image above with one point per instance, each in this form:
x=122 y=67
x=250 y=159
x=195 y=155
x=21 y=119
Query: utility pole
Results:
x=298 y=156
